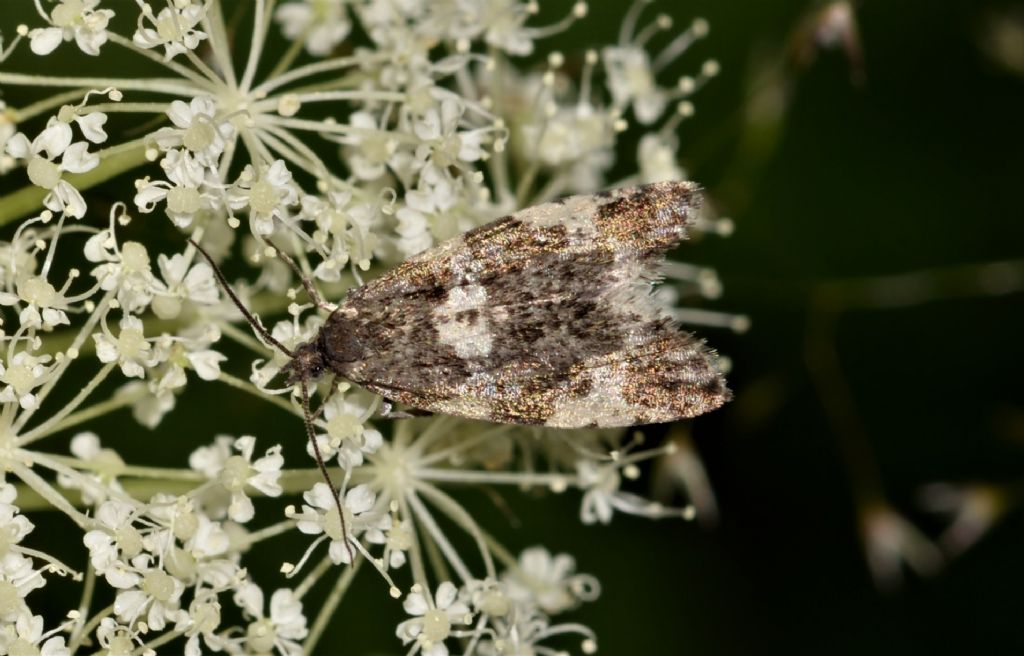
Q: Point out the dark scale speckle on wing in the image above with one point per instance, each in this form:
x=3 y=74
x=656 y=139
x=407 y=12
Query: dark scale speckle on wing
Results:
x=539 y=317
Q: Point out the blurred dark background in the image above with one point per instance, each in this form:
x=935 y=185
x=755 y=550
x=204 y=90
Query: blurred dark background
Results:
x=879 y=252
x=870 y=186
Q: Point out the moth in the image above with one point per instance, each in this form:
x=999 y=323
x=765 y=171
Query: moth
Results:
x=542 y=317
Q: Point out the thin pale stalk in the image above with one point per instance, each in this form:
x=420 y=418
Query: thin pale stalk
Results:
x=48 y=492
x=88 y=588
x=150 y=647
x=246 y=386
x=427 y=520
x=326 y=612
x=524 y=479
x=47 y=427
x=94 y=621
x=458 y=514
x=259 y=35
x=93 y=411
x=183 y=71
x=168 y=86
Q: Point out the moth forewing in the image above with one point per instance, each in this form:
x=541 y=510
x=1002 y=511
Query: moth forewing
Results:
x=540 y=317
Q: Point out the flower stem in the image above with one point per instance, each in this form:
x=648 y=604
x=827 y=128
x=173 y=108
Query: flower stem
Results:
x=94 y=621
x=326 y=612
x=50 y=425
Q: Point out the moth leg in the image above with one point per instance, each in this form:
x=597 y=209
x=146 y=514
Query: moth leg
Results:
x=387 y=412
x=307 y=284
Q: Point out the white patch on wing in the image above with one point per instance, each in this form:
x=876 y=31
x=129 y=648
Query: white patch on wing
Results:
x=471 y=336
x=575 y=213
x=602 y=406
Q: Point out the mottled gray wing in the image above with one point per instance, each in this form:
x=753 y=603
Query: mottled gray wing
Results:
x=541 y=317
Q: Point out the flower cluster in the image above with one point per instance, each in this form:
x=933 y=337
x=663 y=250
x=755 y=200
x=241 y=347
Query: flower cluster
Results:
x=383 y=128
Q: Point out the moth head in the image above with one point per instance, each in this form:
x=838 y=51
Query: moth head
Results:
x=307 y=363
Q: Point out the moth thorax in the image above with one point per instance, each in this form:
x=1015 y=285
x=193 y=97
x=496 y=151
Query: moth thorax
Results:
x=307 y=364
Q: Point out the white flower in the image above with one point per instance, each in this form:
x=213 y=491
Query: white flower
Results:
x=8 y=126
x=631 y=81
x=433 y=620
x=266 y=197
x=320 y=515
x=504 y=25
x=18 y=577
x=237 y=472
x=97 y=483
x=25 y=636
x=198 y=129
x=346 y=434
x=348 y=225
x=657 y=158
x=157 y=599
x=549 y=582
x=320 y=24
x=44 y=171
x=183 y=283
x=282 y=630
x=13 y=526
x=126 y=270
x=174 y=28
x=397 y=537
x=438 y=129
x=72 y=19
x=44 y=304
x=116 y=639
x=21 y=376
x=368 y=148
x=114 y=543
x=601 y=483
x=129 y=349
x=183 y=193
x=204 y=618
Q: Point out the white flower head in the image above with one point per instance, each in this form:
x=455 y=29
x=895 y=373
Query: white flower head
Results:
x=18 y=577
x=281 y=629
x=198 y=128
x=174 y=28
x=25 y=636
x=549 y=582
x=266 y=196
x=237 y=472
x=347 y=436
x=320 y=516
x=130 y=349
x=98 y=483
x=155 y=599
x=21 y=376
x=49 y=156
x=185 y=193
x=434 y=619
x=183 y=283
x=126 y=269
x=631 y=82
x=320 y=24
x=72 y=19
x=42 y=304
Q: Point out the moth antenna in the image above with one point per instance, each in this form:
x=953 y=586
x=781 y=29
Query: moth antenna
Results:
x=323 y=470
x=307 y=284
x=253 y=321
